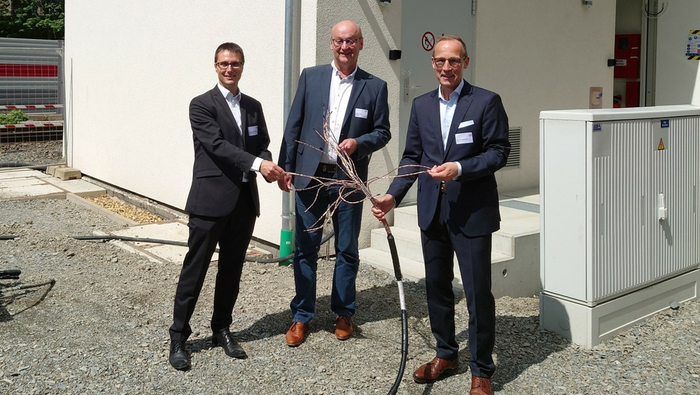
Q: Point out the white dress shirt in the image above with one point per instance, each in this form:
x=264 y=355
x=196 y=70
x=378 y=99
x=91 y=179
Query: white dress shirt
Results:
x=234 y=104
x=447 y=112
x=338 y=99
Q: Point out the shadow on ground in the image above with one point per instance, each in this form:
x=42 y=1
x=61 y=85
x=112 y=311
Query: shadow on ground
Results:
x=21 y=297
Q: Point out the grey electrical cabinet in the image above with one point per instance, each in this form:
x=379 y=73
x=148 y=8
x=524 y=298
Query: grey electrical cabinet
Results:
x=620 y=229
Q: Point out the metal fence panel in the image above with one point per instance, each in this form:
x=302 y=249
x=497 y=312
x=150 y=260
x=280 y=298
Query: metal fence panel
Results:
x=31 y=82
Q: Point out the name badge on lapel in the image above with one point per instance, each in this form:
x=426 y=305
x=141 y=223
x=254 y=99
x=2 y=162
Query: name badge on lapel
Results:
x=464 y=138
x=361 y=113
x=465 y=124
x=253 y=130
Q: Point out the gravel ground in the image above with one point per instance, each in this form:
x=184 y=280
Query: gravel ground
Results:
x=103 y=328
x=31 y=153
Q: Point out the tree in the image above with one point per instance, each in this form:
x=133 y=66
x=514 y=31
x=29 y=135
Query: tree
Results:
x=32 y=19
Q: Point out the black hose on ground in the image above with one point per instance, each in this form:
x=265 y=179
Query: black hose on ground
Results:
x=402 y=302
x=7 y=237
x=10 y=274
x=184 y=244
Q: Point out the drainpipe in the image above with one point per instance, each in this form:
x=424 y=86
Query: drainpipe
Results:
x=287 y=232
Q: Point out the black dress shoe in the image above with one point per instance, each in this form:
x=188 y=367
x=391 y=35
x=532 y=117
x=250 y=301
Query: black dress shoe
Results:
x=178 y=356
x=225 y=339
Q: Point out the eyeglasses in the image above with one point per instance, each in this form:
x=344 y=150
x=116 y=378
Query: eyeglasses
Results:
x=454 y=62
x=225 y=65
x=338 y=42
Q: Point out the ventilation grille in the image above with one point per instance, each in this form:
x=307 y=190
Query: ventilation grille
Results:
x=515 y=142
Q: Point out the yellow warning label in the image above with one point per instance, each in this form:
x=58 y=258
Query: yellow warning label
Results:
x=661 y=145
x=694 y=31
x=694 y=57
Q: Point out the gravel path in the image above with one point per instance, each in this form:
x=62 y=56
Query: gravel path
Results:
x=103 y=328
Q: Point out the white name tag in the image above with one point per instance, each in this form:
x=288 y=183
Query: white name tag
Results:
x=464 y=138
x=361 y=113
x=465 y=124
x=253 y=130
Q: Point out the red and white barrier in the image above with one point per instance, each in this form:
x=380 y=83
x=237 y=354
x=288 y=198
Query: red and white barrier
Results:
x=31 y=107
x=33 y=125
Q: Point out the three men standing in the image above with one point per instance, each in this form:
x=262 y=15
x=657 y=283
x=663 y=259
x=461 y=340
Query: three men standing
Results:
x=459 y=132
x=359 y=121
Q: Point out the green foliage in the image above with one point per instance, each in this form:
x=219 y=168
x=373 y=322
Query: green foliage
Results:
x=13 y=117
x=32 y=19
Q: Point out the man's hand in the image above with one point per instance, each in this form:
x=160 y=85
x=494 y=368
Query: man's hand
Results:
x=348 y=145
x=285 y=182
x=271 y=171
x=445 y=172
x=382 y=205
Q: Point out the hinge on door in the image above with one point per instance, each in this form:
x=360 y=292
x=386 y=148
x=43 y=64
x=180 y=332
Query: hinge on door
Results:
x=473 y=7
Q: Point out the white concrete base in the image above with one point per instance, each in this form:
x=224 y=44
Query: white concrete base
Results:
x=589 y=326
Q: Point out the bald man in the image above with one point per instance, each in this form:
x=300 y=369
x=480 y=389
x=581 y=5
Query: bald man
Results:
x=359 y=121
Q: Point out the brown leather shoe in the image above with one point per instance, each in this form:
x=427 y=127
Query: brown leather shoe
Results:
x=343 y=327
x=480 y=386
x=297 y=333
x=435 y=370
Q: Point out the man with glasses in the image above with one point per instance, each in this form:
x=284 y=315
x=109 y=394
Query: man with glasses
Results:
x=230 y=148
x=459 y=132
x=355 y=103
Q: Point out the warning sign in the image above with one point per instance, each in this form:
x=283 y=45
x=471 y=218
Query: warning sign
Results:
x=428 y=41
x=692 y=49
x=661 y=145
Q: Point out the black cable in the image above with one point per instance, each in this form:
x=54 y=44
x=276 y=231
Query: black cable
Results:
x=404 y=314
x=8 y=237
x=184 y=244
x=11 y=274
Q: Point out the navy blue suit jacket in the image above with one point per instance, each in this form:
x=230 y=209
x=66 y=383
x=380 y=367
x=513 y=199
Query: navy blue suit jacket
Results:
x=221 y=155
x=478 y=140
x=369 y=128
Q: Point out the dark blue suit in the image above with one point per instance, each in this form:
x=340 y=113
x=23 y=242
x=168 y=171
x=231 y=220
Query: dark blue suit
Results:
x=367 y=121
x=221 y=207
x=462 y=218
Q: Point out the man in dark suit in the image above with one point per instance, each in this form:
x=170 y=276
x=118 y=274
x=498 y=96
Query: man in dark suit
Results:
x=230 y=148
x=460 y=132
x=359 y=121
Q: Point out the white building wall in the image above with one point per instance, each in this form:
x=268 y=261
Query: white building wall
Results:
x=677 y=78
x=132 y=68
x=541 y=55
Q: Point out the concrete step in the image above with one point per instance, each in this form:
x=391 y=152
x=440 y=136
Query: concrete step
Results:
x=504 y=281
x=410 y=269
x=407 y=241
x=409 y=244
x=406 y=217
x=514 y=257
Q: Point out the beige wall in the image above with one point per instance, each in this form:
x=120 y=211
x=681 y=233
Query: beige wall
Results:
x=542 y=55
x=381 y=28
x=133 y=67
x=677 y=78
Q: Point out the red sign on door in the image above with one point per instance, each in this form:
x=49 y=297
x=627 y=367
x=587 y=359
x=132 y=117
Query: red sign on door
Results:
x=428 y=41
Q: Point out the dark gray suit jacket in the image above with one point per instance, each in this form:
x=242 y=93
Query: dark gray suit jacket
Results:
x=478 y=140
x=370 y=129
x=221 y=156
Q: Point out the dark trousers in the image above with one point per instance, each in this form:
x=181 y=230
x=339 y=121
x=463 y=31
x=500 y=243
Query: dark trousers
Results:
x=232 y=233
x=441 y=241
